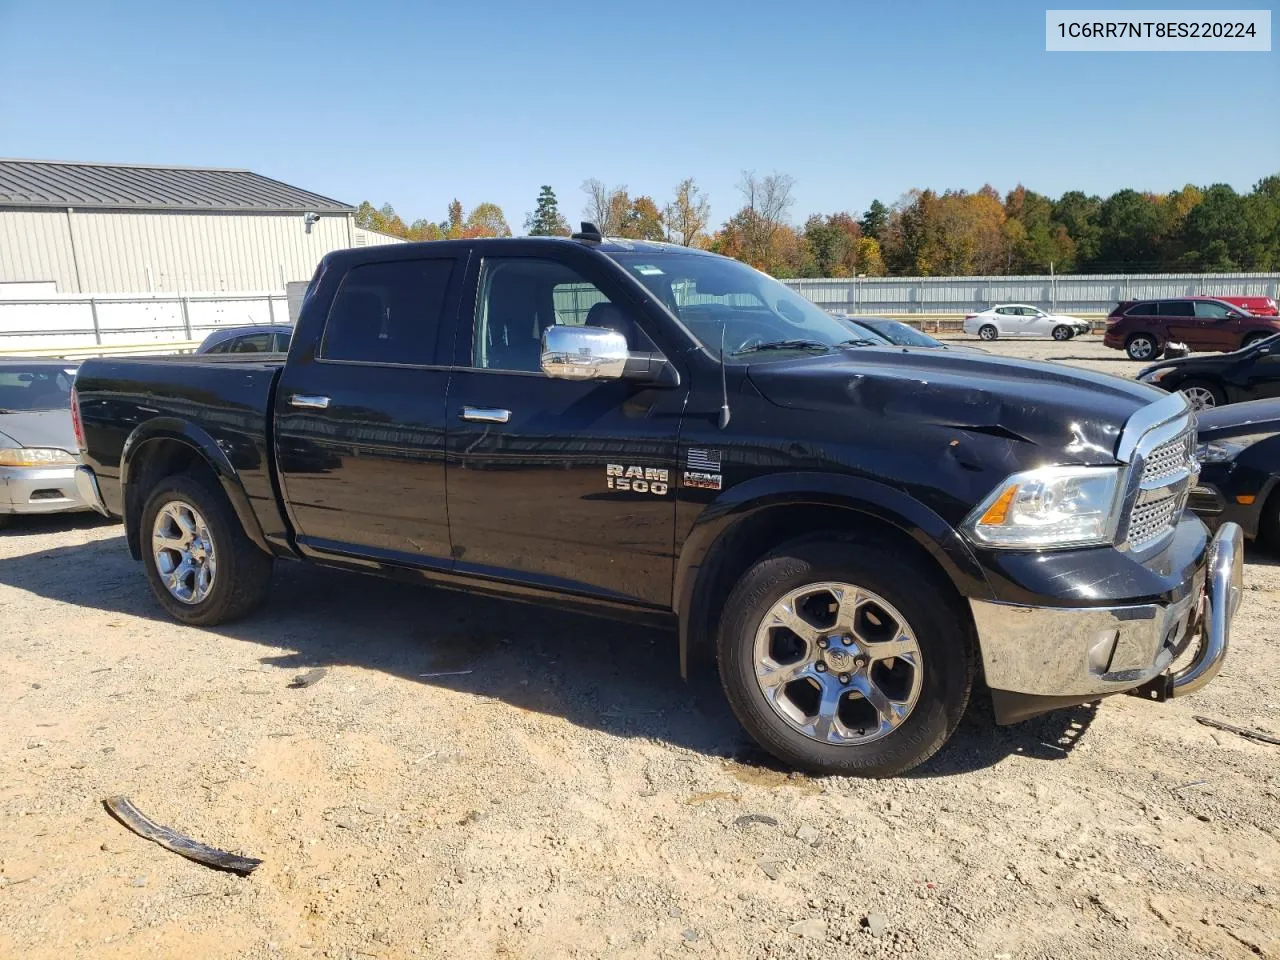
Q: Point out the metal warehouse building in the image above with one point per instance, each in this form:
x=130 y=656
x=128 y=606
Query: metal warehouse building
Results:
x=104 y=228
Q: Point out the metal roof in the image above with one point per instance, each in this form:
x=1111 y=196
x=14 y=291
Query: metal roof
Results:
x=128 y=186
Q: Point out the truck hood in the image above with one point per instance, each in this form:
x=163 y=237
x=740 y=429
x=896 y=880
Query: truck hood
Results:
x=38 y=428
x=1074 y=415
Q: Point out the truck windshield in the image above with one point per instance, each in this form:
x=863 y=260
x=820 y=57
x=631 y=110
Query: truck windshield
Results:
x=714 y=296
x=26 y=387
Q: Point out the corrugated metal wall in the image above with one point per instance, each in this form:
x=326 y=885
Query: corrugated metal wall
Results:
x=1081 y=293
x=36 y=245
x=162 y=252
x=372 y=238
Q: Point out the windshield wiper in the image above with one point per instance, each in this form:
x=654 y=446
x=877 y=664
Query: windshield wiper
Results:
x=783 y=345
x=860 y=342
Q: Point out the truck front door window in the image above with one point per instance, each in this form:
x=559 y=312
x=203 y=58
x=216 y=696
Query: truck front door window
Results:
x=520 y=298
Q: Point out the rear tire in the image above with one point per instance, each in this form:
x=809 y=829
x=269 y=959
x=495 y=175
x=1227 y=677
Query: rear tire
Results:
x=200 y=514
x=913 y=700
x=1062 y=332
x=988 y=332
x=5 y=519
x=1141 y=346
x=1250 y=340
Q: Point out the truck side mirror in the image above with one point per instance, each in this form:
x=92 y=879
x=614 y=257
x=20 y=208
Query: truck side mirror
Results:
x=583 y=353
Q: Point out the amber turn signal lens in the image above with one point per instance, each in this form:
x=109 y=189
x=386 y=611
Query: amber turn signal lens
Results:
x=998 y=512
x=1245 y=498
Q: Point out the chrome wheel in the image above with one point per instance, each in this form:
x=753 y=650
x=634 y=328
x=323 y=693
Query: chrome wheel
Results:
x=1141 y=348
x=183 y=551
x=1200 y=398
x=838 y=663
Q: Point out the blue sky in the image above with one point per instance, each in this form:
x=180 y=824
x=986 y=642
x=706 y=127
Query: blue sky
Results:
x=416 y=103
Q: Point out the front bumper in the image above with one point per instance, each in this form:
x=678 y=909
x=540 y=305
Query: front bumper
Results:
x=40 y=490
x=1059 y=655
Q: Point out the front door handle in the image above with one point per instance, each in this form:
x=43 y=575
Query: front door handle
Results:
x=485 y=414
x=308 y=401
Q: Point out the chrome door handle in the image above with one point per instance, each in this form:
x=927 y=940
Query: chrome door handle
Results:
x=309 y=402
x=485 y=414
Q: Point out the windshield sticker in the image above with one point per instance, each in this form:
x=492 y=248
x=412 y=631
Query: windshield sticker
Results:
x=648 y=270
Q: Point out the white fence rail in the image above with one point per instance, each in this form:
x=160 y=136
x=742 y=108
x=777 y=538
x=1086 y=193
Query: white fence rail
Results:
x=73 y=323
x=1074 y=293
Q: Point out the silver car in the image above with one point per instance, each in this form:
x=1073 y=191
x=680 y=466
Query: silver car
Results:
x=38 y=450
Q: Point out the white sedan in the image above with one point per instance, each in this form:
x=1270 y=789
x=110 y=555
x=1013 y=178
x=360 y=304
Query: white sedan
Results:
x=1023 y=320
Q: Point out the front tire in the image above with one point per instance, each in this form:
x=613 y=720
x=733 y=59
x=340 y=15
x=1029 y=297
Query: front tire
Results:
x=988 y=332
x=201 y=565
x=1062 y=333
x=845 y=658
x=1202 y=394
x=1141 y=346
x=1249 y=341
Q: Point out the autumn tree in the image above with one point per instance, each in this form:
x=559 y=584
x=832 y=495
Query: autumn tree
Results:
x=453 y=224
x=606 y=207
x=767 y=200
x=486 y=220
x=546 y=219
x=687 y=215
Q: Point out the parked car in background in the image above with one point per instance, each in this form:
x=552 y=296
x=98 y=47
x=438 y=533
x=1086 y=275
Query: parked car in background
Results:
x=1143 y=328
x=1239 y=452
x=37 y=441
x=1023 y=320
x=896 y=332
x=256 y=338
x=1258 y=306
x=1252 y=373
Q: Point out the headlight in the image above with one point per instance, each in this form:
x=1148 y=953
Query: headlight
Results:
x=1156 y=375
x=33 y=457
x=1228 y=448
x=1049 y=507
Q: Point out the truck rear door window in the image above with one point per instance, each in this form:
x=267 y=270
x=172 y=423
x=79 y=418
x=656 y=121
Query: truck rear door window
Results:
x=387 y=313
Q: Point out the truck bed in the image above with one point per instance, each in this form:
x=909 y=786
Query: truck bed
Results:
x=147 y=398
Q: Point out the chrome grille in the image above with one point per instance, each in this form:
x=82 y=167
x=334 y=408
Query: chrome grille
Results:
x=1150 y=520
x=1168 y=459
x=1164 y=471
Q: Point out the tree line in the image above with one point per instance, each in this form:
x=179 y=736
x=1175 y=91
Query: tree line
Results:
x=925 y=233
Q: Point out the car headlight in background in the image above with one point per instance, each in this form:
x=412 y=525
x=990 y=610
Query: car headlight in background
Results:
x=34 y=457
x=1156 y=375
x=1049 y=507
x=1228 y=448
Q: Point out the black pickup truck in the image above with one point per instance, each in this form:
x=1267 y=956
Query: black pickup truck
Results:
x=855 y=534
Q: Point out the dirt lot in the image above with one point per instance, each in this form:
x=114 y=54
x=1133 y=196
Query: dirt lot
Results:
x=570 y=797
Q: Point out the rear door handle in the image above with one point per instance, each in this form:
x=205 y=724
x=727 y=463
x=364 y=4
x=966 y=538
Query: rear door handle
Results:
x=486 y=414
x=308 y=401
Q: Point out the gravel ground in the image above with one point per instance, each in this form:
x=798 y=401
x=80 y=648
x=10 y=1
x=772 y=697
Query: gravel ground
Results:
x=559 y=792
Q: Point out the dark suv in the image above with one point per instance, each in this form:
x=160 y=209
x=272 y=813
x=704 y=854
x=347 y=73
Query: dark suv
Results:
x=1143 y=328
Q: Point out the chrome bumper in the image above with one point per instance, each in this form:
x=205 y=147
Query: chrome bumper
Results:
x=39 y=490
x=1085 y=651
x=87 y=484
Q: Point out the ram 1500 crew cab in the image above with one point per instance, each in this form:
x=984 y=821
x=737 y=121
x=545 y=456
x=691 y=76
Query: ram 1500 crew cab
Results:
x=855 y=534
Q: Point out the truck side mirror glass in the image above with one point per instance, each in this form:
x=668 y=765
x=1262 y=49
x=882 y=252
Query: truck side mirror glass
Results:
x=583 y=353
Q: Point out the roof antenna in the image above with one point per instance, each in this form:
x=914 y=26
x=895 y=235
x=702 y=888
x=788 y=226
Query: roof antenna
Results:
x=589 y=232
x=725 y=412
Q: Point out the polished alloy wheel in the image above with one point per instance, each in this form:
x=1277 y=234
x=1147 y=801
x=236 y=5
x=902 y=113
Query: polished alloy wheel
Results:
x=1141 y=348
x=1200 y=398
x=183 y=551
x=838 y=663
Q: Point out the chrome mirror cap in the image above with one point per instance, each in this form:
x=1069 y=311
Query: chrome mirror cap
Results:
x=583 y=353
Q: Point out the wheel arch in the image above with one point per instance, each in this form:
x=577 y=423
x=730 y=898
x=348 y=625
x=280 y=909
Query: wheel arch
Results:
x=754 y=518
x=165 y=446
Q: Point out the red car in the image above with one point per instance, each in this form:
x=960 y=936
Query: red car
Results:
x=1143 y=328
x=1258 y=306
